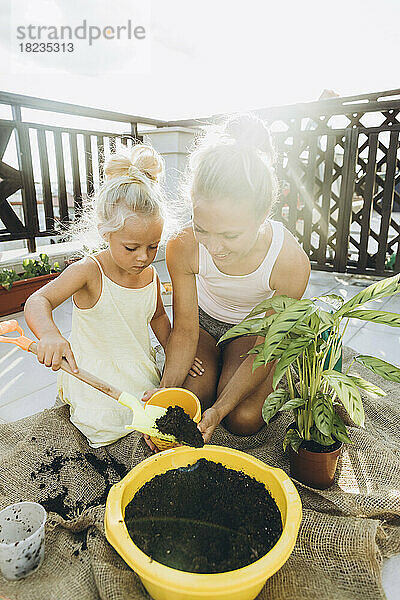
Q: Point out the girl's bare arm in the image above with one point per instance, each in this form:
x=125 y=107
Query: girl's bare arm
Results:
x=52 y=346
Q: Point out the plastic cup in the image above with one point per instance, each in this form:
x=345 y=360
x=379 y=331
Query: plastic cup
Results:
x=21 y=539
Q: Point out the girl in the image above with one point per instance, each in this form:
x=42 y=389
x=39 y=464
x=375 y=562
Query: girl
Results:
x=231 y=258
x=116 y=294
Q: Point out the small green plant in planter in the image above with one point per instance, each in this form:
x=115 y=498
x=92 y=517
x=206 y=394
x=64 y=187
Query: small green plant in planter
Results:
x=306 y=342
x=36 y=274
x=7 y=278
x=35 y=268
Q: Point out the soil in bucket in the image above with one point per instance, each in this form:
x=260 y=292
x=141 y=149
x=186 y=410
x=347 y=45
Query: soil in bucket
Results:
x=177 y=422
x=204 y=518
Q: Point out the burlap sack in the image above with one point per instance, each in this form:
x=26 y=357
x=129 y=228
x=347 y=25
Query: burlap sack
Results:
x=344 y=534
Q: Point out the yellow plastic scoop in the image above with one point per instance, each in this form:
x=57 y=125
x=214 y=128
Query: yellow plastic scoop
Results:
x=143 y=417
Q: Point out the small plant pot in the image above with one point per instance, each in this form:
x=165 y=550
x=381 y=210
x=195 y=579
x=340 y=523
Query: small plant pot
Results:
x=21 y=539
x=175 y=397
x=13 y=300
x=316 y=469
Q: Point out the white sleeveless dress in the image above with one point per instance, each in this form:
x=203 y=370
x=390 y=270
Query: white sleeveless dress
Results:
x=112 y=341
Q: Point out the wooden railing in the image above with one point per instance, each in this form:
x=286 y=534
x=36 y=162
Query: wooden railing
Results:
x=339 y=167
x=44 y=154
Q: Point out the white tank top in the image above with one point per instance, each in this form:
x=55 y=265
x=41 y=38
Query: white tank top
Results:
x=112 y=341
x=230 y=298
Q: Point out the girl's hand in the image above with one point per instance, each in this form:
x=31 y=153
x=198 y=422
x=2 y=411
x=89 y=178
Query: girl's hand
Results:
x=52 y=348
x=148 y=394
x=210 y=420
x=150 y=444
x=196 y=368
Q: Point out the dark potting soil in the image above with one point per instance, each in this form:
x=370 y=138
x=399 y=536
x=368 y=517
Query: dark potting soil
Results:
x=312 y=446
x=204 y=518
x=178 y=423
x=56 y=497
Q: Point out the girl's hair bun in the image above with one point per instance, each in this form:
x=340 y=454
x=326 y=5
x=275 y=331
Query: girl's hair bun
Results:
x=250 y=132
x=143 y=162
x=147 y=160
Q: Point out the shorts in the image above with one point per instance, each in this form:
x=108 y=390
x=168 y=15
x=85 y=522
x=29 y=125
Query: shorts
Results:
x=214 y=327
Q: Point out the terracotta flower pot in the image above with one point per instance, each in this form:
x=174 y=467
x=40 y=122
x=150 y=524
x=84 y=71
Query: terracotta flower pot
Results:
x=13 y=300
x=316 y=469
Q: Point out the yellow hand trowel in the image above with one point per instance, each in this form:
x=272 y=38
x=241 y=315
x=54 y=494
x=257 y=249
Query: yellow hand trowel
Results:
x=143 y=417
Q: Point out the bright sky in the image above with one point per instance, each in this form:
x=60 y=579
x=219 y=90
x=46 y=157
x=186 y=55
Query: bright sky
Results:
x=206 y=56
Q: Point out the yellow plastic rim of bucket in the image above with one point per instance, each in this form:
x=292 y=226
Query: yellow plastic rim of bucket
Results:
x=185 y=584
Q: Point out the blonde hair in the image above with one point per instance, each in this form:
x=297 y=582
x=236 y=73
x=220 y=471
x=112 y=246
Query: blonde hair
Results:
x=235 y=160
x=132 y=184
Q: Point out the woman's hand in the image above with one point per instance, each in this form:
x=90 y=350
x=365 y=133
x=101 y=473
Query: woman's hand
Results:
x=52 y=348
x=210 y=420
x=196 y=368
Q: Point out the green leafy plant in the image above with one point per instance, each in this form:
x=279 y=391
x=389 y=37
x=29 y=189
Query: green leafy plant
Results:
x=305 y=340
x=7 y=278
x=41 y=266
x=32 y=268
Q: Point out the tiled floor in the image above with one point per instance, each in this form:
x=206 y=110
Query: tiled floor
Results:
x=26 y=387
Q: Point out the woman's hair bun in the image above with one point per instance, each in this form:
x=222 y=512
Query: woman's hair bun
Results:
x=249 y=131
x=143 y=161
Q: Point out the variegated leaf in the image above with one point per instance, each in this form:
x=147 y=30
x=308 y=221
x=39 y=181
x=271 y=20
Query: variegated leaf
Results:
x=285 y=321
x=333 y=300
x=380 y=367
x=256 y=349
x=273 y=402
x=293 y=438
x=326 y=320
x=365 y=385
x=292 y=404
x=320 y=438
x=323 y=413
x=376 y=316
x=280 y=303
x=246 y=327
x=277 y=303
x=309 y=326
x=380 y=289
x=258 y=361
x=279 y=349
x=288 y=356
x=347 y=393
x=339 y=430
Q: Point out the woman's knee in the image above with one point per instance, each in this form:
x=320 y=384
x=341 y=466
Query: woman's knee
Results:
x=240 y=422
x=203 y=387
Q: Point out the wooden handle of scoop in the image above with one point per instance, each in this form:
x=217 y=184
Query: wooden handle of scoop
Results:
x=85 y=376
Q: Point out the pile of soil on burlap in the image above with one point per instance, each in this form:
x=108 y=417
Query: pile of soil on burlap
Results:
x=204 y=518
x=49 y=471
x=178 y=423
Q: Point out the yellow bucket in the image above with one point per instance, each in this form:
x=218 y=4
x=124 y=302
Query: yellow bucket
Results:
x=165 y=583
x=175 y=397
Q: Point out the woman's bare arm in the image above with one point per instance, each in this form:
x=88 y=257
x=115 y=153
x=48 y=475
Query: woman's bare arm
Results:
x=182 y=342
